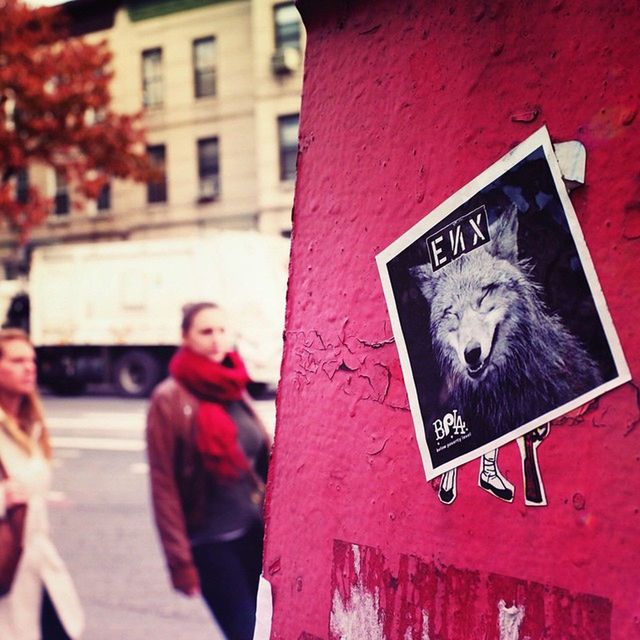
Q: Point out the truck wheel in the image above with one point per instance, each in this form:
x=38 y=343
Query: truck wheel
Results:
x=136 y=373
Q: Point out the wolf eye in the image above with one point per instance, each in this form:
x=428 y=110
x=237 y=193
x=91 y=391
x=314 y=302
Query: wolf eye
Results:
x=449 y=319
x=488 y=290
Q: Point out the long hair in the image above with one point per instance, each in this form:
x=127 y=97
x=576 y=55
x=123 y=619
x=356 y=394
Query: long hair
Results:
x=29 y=424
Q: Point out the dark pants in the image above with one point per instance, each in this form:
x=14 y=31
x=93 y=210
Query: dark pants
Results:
x=229 y=574
x=50 y=624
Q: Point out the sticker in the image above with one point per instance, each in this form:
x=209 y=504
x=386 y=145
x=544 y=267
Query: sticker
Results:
x=499 y=319
x=264 y=610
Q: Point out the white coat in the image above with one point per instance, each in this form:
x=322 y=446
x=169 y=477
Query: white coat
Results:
x=40 y=565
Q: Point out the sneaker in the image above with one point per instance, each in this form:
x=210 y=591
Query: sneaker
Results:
x=496 y=486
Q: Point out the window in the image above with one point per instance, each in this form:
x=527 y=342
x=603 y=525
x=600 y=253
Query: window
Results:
x=152 y=77
x=204 y=67
x=104 y=199
x=22 y=186
x=208 y=169
x=287 y=25
x=61 y=200
x=288 y=135
x=157 y=189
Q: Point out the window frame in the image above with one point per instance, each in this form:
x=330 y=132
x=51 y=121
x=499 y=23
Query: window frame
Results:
x=152 y=81
x=208 y=170
x=285 y=151
x=61 y=199
x=284 y=40
x=103 y=201
x=157 y=192
x=200 y=71
x=22 y=186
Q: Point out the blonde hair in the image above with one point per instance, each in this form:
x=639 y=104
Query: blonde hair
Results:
x=30 y=419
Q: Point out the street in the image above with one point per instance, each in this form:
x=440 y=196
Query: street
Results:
x=102 y=524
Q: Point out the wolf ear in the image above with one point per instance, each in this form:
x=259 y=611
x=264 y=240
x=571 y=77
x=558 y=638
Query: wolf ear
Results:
x=504 y=235
x=425 y=279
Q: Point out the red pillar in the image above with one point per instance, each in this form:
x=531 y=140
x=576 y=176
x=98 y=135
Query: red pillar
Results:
x=405 y=102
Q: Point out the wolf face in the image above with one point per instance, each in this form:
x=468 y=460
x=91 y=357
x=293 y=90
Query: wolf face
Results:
x=474 y=304
x=467 y=321
x=503 y=358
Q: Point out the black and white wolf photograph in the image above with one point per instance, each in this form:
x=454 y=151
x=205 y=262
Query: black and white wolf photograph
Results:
x=498 y=316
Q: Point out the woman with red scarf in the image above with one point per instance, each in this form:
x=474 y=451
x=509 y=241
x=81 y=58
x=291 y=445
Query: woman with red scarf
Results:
x=207 y=454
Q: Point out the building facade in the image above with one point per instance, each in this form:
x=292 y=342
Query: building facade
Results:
x=220 y=84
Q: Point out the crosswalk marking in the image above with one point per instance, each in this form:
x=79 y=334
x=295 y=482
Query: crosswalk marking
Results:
x=105 y=424
x=97 y=444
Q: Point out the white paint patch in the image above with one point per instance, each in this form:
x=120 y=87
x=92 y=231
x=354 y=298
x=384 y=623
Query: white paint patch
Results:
x=509 y=621
x=408 y=634
x=425 y=625
x=359 y=618
x=356 y=558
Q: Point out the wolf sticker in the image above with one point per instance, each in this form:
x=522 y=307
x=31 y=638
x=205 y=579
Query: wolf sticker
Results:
x=503 y=357
x=500 y=322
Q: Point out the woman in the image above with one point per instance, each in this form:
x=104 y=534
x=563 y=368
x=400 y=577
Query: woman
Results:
x=42 y=603
x=206 y=451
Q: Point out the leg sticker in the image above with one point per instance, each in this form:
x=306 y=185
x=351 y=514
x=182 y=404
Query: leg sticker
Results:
x=490 y=479
x=534 y=493
x=447 y=491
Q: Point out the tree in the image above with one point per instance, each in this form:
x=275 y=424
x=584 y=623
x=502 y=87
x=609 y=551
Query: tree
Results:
x=55 y=110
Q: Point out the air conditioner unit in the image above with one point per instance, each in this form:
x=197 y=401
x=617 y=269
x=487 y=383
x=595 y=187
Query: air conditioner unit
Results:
x=285 y=60
x=209 y=189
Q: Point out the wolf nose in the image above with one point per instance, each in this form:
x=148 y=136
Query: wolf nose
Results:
x=472 y=354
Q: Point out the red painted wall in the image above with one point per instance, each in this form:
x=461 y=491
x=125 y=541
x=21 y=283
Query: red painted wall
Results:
x=404 y=103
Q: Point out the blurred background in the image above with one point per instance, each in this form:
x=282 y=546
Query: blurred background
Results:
x=100 y=289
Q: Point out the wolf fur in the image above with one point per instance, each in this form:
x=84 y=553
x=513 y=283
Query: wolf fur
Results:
x=504 y=359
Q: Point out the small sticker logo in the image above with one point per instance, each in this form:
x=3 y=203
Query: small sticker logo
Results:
x=451 y=425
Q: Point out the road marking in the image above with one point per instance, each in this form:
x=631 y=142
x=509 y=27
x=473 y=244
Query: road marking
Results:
x=62 y=424
x=98 y=444
x=67 y=454
x=120 y=415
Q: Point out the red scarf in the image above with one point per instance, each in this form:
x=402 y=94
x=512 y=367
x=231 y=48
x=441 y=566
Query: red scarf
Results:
x=214 y=384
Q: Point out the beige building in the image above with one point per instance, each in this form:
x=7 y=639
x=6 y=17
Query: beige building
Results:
x=220 y=82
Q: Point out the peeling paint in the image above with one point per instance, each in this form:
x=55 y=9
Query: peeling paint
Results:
x=356 y=559
x=358 y=366
x=509 y=620
x=359 y=617
x=425 y=625
x=425 y=599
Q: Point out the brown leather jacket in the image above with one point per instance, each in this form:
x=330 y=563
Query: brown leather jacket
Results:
x=177 y=477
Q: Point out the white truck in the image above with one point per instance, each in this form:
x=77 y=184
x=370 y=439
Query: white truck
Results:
x=110 y=312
